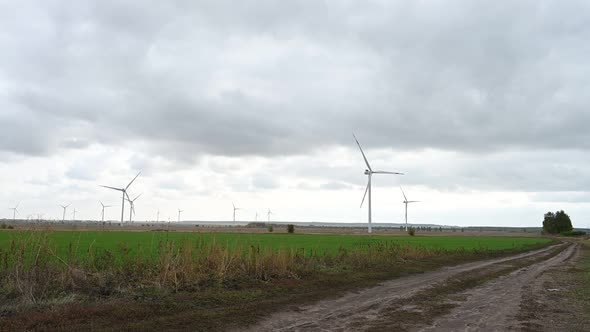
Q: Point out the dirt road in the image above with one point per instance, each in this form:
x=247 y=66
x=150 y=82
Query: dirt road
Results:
x=479 y=296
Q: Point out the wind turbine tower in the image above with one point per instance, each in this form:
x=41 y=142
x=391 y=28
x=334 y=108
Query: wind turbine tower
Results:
x=102 y=213
x=14 y=211
x=369 y=172
x=268 y=214
x=124 y=194
x=132 y=206
x=179 y=212
x=63 y=217
x=406 y=202
x=235 y=209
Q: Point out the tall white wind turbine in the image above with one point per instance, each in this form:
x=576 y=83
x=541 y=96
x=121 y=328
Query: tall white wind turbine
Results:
x=123 y=193
x=406 y=202
x=179 y=212
x=268 y=214
x=63 y=217
x=235 y=209
x=132 y=206
x=369 y=172
x=14 y=211
x=102 y=213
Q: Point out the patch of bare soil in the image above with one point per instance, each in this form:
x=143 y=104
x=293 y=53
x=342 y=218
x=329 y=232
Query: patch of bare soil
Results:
x=410 y=302
x=494 y=306
x=552 y=302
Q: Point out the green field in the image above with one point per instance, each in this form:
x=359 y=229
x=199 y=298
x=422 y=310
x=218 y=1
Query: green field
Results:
x=148 y=242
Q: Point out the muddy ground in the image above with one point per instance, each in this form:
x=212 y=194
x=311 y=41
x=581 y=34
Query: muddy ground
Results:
x=513 y=293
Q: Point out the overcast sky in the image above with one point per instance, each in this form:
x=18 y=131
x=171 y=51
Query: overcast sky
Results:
x=483 y=105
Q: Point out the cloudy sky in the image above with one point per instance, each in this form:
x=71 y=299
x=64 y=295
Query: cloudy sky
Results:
x=483 y=105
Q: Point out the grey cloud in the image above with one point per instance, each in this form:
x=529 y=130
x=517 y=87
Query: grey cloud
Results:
x=474 y=76
x=264 y=181
x=568 y=197
x=335 y=186
x=183 y=80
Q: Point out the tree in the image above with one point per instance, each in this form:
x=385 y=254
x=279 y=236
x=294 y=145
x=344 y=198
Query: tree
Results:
x=555 y=223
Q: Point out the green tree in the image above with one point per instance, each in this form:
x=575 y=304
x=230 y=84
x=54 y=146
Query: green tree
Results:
x=555 y=223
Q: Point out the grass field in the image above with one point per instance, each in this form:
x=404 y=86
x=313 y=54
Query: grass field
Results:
x=147 y=243
x=103 y=278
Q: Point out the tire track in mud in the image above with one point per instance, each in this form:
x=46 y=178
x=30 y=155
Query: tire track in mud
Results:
x=358 y=310
x=495 y=306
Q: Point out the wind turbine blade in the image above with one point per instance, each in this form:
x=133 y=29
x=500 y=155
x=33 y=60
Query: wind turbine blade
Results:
x=118 y=189
x=403 y=193
x=365 y=195
x=383 y=172
x=16 y=207
x=138 y=196
x=363 y=153
x=413 y=201
x=129 y=185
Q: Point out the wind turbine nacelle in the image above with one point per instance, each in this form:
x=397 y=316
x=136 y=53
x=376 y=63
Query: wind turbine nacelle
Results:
x=367 y=172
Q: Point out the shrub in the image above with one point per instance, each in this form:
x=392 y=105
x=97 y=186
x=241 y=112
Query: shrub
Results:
x=558 y=222
x=3 y=226
x=10 y=227
x=412 y=231
x=573 y=233
x=290 y=228
x=270 y=228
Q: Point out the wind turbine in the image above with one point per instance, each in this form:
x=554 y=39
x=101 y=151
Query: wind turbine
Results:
x=74 y=215
x=256 y=215
x=235 y=209
x=63 y=217
x=406 y=202
x=268 y=214
x=158 y=216
x=179 y=212
x=132 y=205
x=102 y=213
x=124 y=193
x=14 y=211
x=369 y=172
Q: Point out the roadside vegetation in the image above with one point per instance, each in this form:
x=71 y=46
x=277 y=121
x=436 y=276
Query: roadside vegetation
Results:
x=233 y=281
x=558 y=222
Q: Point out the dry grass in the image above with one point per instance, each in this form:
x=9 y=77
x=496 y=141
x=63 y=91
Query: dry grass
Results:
x=33 y=273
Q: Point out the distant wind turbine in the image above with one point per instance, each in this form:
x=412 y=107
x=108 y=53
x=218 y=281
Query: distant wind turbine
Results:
x=132 y=206
x=268 y=214
x=369 y=172
x=14 y=211
x=102 y=213
x=123 y=193
x=179 y=212
x=235 y=209
x=74 y=215
x=63 y=217
x=256 y=215
x=406 y=202
x=158 y=216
